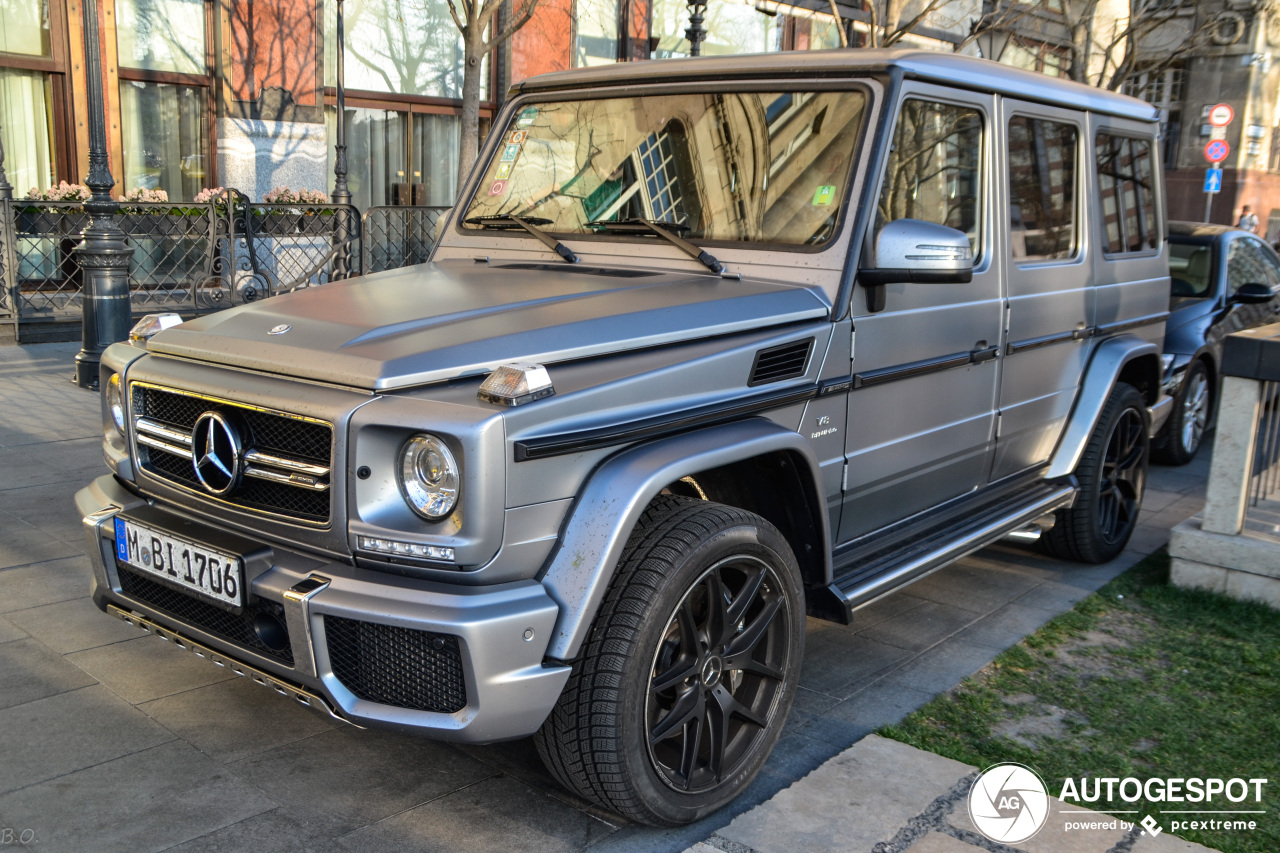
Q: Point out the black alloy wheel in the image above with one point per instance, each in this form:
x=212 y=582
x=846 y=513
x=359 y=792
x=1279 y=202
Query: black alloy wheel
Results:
x=717 y=674
x=1112 y=473
x=685 y=681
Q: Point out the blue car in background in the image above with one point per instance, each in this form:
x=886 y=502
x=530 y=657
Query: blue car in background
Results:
x=1223 y=280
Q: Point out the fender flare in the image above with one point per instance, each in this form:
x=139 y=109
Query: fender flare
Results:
x=596 y=530
x=1100 y=377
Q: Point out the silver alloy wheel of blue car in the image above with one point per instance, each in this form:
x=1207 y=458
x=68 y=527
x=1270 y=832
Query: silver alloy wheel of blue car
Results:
x=1195 y=411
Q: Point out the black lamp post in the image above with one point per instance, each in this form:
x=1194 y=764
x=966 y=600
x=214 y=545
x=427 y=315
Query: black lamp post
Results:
x=696 y=33
x=103 y=253
x=341 y=194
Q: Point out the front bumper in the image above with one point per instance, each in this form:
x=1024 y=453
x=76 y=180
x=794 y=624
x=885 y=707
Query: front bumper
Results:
x=362 y=646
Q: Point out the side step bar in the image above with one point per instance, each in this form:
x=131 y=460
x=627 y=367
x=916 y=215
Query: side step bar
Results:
x=861 y=584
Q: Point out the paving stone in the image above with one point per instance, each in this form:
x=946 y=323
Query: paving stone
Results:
x=147 y=668
x=49 y=508
x=29 y=671
x=147 y=801
x=51 y=462
x=942 y=668
x=1006 y=626
x=44 y=583
x=839 y=663
x=343 y=779
x=879 y=705
x=937 y=842
x=888 y=607
x=10 y=631
x=235 y=719
x=73 y=626
x=68 y=732
x=24 y=544
x=849 y=803
x=807 y=705
x=486 y=816
x=274 y=831
x=1053 y=595
x=921 y=627
x=971 y=588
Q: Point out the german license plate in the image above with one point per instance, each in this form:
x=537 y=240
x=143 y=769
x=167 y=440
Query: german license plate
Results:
x=192 y=567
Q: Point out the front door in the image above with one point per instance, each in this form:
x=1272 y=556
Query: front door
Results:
x=921 y=423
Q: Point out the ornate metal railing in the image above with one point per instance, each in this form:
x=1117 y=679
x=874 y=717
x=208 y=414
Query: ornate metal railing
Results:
x=398 y=236
x=187 y=257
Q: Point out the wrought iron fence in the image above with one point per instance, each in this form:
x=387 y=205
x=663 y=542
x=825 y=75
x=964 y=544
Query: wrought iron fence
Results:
x=187 y=257
x=399 y=236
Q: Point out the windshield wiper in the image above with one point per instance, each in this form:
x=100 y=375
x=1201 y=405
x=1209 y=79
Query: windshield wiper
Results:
x=660 y=227
x=530 y=224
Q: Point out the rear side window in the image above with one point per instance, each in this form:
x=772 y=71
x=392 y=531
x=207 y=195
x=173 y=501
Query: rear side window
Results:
x=933 y=172
x=1126 y=184
x=1043 y=207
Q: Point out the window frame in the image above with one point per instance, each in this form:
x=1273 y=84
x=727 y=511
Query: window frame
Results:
x=1056 y=115
x=55 y=67
x=1156 y=230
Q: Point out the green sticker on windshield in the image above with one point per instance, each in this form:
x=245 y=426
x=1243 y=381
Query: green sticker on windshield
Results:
x=824 y=195
x=526 y=117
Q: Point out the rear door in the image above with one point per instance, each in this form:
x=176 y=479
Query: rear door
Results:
x=1049 y=305
x=922 y=413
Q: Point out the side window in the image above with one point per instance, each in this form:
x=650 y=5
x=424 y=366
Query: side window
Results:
x=933 y=172
x=1126 y=184
x=1043 y=208
x=1246 y=265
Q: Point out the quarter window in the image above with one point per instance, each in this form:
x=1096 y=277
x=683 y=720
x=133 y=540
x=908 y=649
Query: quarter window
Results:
x=1043 y=207
x=1126 y=184
x=933 y=171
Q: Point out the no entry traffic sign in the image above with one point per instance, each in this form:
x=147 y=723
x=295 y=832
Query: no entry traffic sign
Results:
x=1221 y=115
x=1217 y=151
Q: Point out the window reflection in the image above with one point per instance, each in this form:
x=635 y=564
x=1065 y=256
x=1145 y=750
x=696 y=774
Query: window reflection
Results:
x=161 y=35
x=164 y=137
x=25 y=27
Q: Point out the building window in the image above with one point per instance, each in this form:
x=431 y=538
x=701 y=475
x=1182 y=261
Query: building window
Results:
x=1126 y=185
x=1036 y=56
x=27 y=129
x=26 y=27
x=595 y=33
x=732 y=27
x=1162 y=87
x=161 y=35
x=165 y=138
x=1042 y=189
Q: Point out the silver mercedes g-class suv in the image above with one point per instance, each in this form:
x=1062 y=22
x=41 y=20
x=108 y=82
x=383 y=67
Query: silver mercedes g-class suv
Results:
x=705 y=347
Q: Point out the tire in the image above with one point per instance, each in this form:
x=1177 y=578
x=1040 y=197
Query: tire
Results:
x=658 y=649
x=1183 y=434
x=1112 y=474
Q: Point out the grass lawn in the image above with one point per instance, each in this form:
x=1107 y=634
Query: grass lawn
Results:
x=1141 y=679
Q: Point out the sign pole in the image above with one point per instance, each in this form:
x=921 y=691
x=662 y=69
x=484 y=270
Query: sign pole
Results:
x=1208 y=205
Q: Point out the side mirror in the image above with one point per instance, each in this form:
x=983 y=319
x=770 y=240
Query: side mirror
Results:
x=1253 y=293
x=912 y=250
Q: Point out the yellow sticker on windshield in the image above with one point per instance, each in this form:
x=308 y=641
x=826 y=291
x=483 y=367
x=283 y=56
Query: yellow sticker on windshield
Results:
x=504 y=171
x=824 y=195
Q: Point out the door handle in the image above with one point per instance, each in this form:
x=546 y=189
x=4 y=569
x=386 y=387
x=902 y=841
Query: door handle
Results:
x=980 y=355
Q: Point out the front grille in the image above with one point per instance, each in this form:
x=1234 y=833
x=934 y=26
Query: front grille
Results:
x=280 y=435
x=397 y=666
x=224 y=624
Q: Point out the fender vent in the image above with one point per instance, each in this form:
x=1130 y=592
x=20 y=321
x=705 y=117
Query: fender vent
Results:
x=786 y=361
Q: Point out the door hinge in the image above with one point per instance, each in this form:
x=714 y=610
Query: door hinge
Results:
x=1008 y=313
x=853 y=339
x=999 y=423
x=844 y=478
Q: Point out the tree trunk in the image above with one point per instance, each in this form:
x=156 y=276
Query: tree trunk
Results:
x=473 y=52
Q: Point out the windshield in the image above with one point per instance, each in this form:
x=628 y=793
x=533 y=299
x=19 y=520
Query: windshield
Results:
x=1190 y=268
x=768 y=167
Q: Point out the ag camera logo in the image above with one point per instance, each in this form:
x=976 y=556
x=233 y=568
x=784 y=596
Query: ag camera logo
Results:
x=1008 y=803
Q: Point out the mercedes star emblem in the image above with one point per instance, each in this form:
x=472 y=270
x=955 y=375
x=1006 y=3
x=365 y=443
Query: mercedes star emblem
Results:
x=215 y=453
x=279 y=330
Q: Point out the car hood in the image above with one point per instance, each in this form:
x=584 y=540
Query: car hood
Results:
x=437 y=322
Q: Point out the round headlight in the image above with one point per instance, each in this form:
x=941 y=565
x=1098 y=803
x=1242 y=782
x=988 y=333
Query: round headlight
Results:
x=115 y=401
x=428 y=476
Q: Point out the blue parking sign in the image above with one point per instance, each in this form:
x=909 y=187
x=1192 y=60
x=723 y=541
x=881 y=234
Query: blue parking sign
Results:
x=1212 y=180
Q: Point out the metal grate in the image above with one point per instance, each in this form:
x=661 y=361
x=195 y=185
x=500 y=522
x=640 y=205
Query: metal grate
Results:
x=397 y=666
x=268 y=433
x=398 y=236
x=235 y=629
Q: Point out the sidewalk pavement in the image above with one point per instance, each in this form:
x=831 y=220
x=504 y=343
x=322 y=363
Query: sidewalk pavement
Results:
x=114 y=740
x=887 y=797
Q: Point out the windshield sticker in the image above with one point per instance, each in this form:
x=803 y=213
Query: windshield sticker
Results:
x=510 y=153
x=504 y=171
x=517 y=137
x=497 y=188
x=824 y=195
x=527 y=116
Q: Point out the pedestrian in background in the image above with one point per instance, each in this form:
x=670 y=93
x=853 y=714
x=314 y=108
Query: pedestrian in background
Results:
x=1248 y=220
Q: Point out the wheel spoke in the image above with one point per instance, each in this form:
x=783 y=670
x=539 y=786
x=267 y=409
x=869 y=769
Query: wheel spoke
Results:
x=730 y=706
x=689 y=749
x=746 y=595
x=718 y=623
x=745 y=663
x=688 y=626
x=685 y=667
x=690 y=706
x=755 y=631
